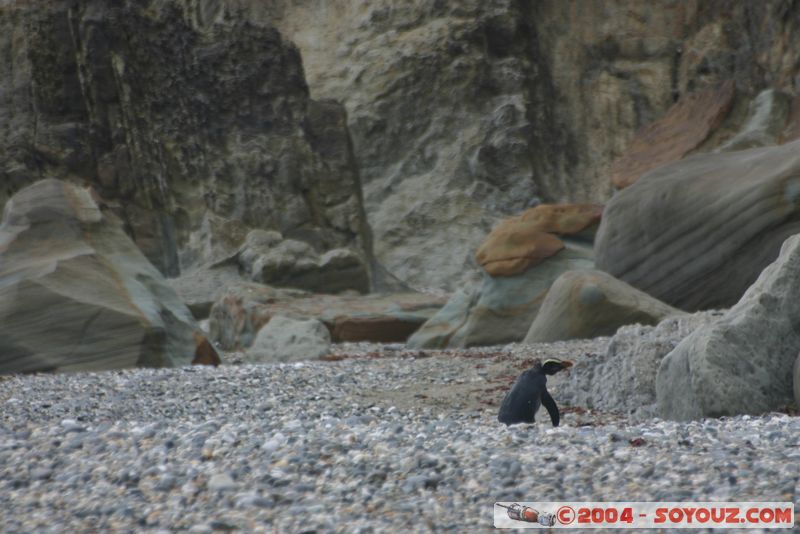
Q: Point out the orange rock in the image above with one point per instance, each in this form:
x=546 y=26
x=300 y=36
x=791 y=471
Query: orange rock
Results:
x=518 y=243
x=682 y=129
x=564 y=219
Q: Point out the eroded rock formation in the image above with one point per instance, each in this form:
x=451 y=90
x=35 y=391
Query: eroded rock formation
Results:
x=521 y=258
x=520 y=242
x=243 y=309
x=743 y=361
x=589 y=303
x=696 y=233
x=464 y=112
x=76 y=294
x=191 y=127
x=194 y=118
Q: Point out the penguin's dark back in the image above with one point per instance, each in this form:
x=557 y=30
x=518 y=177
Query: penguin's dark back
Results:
x=524 y=399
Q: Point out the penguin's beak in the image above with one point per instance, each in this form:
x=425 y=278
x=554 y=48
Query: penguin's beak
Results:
x=567 y=363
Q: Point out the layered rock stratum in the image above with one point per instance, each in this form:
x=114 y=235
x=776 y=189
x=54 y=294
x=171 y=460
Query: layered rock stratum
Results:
x=76 y=294
x=696 y=233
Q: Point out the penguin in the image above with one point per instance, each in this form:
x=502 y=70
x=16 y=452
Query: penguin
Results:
x=529 y=392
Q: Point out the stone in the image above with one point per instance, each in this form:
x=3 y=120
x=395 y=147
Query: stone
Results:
x=680 y=130
x=521 y=242
x=76 y=294
x=201 y=287
x=498 y=310
x=742 y=362
x=695 y=234
x=284 y=339
x=588 y=303
x=243 y=309
x=216 y=239
x=192 y=136
x=221 y=482
x=270 y=259
x=623 y=378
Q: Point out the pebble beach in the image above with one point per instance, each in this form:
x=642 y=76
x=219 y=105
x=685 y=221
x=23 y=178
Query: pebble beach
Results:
x=378 y=439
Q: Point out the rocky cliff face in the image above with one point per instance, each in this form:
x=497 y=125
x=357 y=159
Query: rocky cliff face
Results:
x=195 y=113
x=450 y=109
x=193 y=126
x=462 y=112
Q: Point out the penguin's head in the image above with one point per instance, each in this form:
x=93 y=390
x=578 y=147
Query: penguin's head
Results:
x=553 y=365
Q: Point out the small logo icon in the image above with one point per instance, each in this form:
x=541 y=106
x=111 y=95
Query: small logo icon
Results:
x=517 y=512
x=565 y=515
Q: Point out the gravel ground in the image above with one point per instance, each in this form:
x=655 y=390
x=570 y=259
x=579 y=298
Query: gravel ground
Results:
x=378 y=440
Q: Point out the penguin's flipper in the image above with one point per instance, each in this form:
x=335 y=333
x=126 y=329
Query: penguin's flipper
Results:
x=552 y=409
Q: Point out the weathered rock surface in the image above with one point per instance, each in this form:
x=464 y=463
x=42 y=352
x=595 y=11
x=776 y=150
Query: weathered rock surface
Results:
x=217 y=239
x=189 y=115
x=499 y=309
x=464 y=112
x=201 y=288
x=741 y=363
x=77 y=294
x=243 y=309
x=270 y=259
x=623 y=378
x=521 y=258
x=697 y=233
x=680 y=130
x=192 y=122
x=520 y=242
x=446 y=106
x=284 y=339
x=588 y=303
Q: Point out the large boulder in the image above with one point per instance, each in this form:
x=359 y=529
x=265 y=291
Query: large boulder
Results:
x=202 y=287
x=623 y=378
x=77 y=294
x=521 y=258
x=696 y=233
x=589 y=303
x=284 y=339
x=243 y=309
x=498 y=309
x=520 y=242
x=193 y=123
x=264 y=256
x=272 y=260
x=741 y=363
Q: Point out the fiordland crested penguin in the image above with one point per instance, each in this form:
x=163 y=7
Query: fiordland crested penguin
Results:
x=530 y=391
